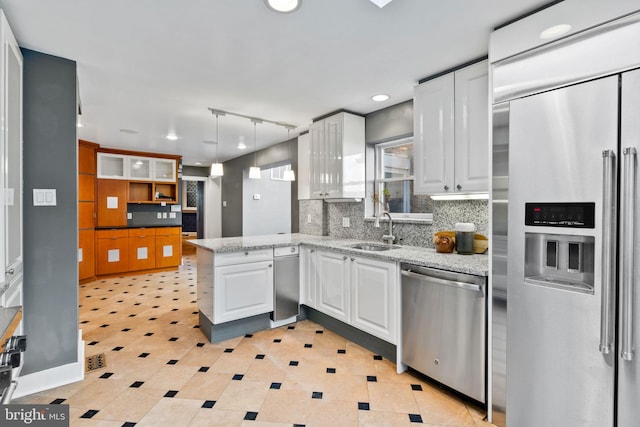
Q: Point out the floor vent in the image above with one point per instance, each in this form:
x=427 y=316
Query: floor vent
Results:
x=94 y=362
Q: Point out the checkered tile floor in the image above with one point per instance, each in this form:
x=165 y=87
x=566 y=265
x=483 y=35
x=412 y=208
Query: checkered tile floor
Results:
x=161 y=371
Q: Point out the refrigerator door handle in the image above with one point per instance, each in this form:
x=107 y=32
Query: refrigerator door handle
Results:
x=628 y=234
x=608 y=249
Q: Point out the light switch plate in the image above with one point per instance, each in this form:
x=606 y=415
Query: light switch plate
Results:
x=308 y=218
x=129 y=215
x=44 y=197
x=346 y=222
x=172 y=215
x=256 y=197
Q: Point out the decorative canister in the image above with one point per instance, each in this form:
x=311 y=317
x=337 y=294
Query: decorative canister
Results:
x=465 y=234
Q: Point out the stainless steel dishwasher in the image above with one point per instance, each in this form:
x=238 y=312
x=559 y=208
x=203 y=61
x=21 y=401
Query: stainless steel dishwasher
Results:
x=443 y=327
x=286 y=295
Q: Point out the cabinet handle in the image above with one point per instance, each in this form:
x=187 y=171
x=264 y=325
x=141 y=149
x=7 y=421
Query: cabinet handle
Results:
x=246 y=253
x=270 y=265
x=446 y=188
x=114 y=238
x=312 y=250
x=459 y=187
x=344 y=258
x=293 y=250
x=353 y=259
x=10 y=271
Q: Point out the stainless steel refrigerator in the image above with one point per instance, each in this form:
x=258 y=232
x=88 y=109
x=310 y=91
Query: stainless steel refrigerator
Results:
x=569 y=114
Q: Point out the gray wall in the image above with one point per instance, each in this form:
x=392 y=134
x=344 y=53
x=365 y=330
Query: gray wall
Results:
x=50 y=233
x=271 y=213
x=195 y=171
x=233 y=179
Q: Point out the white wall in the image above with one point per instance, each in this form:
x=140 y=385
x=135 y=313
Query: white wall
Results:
x=270 y=214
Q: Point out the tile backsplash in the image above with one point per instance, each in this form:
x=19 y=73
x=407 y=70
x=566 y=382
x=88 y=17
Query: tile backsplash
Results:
x=327 y=219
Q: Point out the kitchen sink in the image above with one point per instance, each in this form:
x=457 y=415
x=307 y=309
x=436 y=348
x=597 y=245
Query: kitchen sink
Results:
x=374 y=247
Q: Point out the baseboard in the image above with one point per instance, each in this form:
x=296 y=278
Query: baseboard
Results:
x=54 y=377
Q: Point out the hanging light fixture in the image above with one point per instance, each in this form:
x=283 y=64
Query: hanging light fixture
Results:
x=254 y=171
x=216 y=168
x=289 y=174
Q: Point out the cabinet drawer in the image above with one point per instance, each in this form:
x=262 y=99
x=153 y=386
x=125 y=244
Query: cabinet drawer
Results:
x=114 y=233
x=285 y=250
x=241 y=257
x=168 y=231
x=142 y=232
x=142 y=252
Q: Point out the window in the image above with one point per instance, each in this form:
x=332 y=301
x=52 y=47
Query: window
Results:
x=190 y=196
x=277 y=173
x=393 y=188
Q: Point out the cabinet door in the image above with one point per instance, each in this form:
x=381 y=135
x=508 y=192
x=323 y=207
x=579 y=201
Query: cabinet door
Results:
x=113 y=255
x=164 y=170
x=333 y=284
x=11 y=156
x=333 y=129
x=142 y=250
x=242 y=290
x=139 y=168
x=308 y=275
x=111 y=166
x=112 y=203
x=86 y=215
x=317 y=160
x=168 y=247
x=86 y=188
x=433 y=127
x=374 y=289
x=86 y=254
x=472 y=128
x=86 y=160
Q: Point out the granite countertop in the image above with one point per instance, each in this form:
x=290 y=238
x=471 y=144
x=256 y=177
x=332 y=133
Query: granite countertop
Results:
x=427 y=257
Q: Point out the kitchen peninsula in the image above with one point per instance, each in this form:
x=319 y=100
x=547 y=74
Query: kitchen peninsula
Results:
x=339 y=284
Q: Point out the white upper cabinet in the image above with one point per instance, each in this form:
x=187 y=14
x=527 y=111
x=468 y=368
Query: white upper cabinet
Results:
x=164 y=170
x=336 y=165
x=451 y=119
x=112 y=166
x=136 y=168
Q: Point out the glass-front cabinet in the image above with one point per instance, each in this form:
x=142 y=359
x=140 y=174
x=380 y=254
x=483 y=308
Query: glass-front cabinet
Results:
x=112 y=166
x=164 y=170
x=139 y=168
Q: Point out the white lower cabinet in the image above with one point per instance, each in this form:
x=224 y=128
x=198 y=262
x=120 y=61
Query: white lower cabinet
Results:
x=373 y=297
x=308 y=276
x=362 y=292
x=333 y=284
x=242 y=290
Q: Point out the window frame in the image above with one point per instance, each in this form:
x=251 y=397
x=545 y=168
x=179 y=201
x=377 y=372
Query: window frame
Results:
x=378 y=182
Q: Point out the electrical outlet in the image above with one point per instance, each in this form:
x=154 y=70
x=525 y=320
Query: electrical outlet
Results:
x=129 y=215
x=159 y=215
x=224 y=203
x=172 y=215
x=164 y=215
x=308 y=218
x=346 y=222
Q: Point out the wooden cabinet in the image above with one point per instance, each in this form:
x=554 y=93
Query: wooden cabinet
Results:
x=86 y=253
x=308 y=276
x=242 y=284
x=86 y=210
x=142 y=248
x=333 y=284
x=337 y=157
x=362 y=292
x=168 y=247
x=451 y=119
x=112 y=203
x=112 y=251
x=374 y=293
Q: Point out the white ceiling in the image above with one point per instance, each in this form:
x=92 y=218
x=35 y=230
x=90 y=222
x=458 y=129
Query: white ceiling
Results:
x=155 y=66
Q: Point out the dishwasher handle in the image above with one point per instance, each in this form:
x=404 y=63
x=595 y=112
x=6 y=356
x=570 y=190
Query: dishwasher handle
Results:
x=452 y=283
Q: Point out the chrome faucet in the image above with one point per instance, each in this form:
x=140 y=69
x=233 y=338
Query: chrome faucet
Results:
x=387 y=238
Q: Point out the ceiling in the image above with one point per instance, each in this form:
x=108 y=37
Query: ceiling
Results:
x=156 y=66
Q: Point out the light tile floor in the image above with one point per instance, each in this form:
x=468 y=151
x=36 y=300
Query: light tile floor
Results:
x=161 y=370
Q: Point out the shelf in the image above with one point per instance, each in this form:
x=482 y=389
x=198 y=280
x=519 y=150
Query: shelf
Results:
x=165 y=192
x=140 y=192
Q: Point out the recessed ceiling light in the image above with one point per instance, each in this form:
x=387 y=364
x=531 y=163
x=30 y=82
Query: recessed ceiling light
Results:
x=283 y=6
x=209 y=142
x=380 y=98
x=129 y=131
x=198 y=163
x=171 y=137
x=555 y=31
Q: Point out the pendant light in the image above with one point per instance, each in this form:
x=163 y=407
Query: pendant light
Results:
x=289 y=174
x=254 y=171
x=216 y=168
